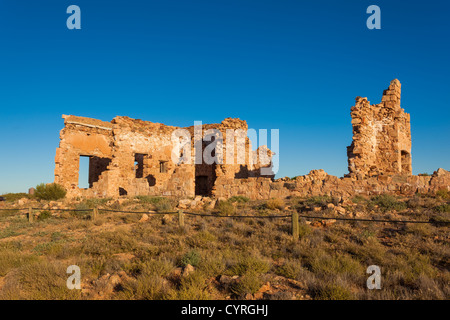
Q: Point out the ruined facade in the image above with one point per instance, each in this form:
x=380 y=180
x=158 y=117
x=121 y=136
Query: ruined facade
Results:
x=129 y=157
x=381 y=136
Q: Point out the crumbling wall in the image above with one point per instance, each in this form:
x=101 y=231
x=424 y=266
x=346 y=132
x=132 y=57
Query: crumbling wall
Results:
x=318 y=182
x=154 y=173
x=381 y=136
x=130 y=157
x=82 y=137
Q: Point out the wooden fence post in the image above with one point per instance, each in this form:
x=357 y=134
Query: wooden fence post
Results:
x=295 y=225
x=94 y=213
x=30 y=215
x=181 y=218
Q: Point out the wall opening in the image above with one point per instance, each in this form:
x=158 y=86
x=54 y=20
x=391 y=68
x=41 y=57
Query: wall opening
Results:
x=201 y=186
x=151 y=180
x=90 y=169
x=405 y=161
x=123 y=192
x=205 y=175
x=83 y=172
x=163 y=166
x=139 y=164
x=97 y=166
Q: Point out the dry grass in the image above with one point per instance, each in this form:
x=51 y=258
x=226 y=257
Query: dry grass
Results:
x=325 y=263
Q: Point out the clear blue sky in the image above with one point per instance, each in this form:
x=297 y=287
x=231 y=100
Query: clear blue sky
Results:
x=293 y=65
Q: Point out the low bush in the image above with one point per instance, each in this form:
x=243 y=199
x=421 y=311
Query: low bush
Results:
x=192 y=257
x=160 y=267
x=238 y=199
x=275 y=203
x=358 y=199
x=249 y=263
x=320 y=201
x=164 y=205
x=291 y=269
x=248 y=283
x=444 y=208
x=443 y=194
x=11 y=197
x=149 y=199
x=192 y=287
x=333 y=291
x=144 y=287
x=44 y=215
x=50 y=191
x=40 y=280
x=226 y=208
x=387 y=202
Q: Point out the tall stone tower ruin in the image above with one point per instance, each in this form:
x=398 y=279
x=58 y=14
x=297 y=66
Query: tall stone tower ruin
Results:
x=381 y=136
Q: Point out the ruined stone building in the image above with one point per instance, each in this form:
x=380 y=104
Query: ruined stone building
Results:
x=381 y=136
x=134 y=157
x=129 y=157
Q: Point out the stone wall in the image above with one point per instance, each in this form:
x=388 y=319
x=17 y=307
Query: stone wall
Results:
x=129 y=157
x=381 y=136
x=318 y=182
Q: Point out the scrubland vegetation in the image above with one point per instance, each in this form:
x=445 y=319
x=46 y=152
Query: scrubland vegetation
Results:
x=124 y=256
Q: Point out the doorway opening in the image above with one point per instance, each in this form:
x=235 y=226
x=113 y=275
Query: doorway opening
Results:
x=83 y=172
x=139 y=165
x=405 y=161
x=90 y=169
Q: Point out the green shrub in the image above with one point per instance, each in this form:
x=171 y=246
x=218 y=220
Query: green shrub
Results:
x=11 y=197
x=212 y=265
x=387 y=202
x=192 y=257
x=319 y=200
x=160 y=267
x=201 y=239
x=50 y=191
x=358 y=199
x=444 y=208
x=291 y=269
x=95 y=202
x=192 y=287
x=13 y=258
x=144 y=287
x=333 y=292
x=41 y=280
x=275 y=203
x=443 y=194
x=321 y=262
x=238 y=199
x=44 y=215
x=107 y=243
x=248 y=283
x=226 y=208
x=249 y=263
x=304 y=230
x=150 y=199
x=164 y=205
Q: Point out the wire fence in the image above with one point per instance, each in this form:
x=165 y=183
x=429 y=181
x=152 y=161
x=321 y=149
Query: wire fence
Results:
x=291 y=215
